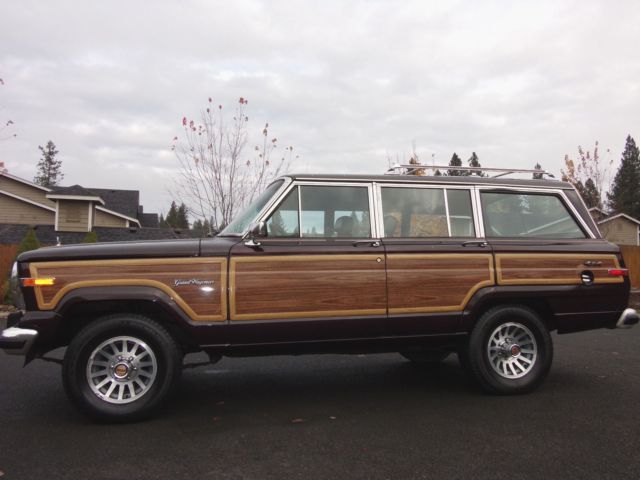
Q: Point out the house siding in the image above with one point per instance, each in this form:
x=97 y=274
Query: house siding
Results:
x=25 y=191
x=620 y=231
x=104 y=219
x=17 y=212
x=73 y=216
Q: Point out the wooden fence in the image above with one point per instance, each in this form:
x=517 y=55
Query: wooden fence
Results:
x=7 y=255
x=631 y=255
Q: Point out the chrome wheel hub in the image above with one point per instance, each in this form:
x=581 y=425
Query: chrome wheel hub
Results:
x=512 y=350
x=121 y=370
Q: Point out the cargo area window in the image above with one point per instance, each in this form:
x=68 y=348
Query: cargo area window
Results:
x=527 y=215
x=427 y=212
x=322 y=212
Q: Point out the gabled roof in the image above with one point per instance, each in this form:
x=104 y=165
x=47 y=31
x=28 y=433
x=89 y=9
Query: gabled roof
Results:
x=620 y=215
x=597 y=210
x=26 y=182
x=122 y=201
x=26 y=200
x=74 y=192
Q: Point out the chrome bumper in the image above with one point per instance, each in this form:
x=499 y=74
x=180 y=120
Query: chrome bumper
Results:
x=17 y=341
x=628 y=319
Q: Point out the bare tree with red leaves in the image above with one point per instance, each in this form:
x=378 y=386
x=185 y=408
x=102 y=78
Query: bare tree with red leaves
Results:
x=217 y=176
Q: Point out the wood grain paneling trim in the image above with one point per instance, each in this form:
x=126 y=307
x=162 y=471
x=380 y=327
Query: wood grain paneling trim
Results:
x=156 y=273
x=355 y=282
x=436 y=282
x=553 y=268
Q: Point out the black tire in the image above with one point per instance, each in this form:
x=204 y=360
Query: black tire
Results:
x=151 y=377
x=425 y=356
x=492 y=363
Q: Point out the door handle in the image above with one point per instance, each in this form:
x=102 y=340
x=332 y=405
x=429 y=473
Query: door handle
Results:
x=475 y=243
x=370 y=243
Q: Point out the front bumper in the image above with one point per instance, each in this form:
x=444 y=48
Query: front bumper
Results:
x=628 y=319
x=17 y=341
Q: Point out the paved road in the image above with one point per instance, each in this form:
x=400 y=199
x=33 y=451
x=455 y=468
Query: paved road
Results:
x=361 y=417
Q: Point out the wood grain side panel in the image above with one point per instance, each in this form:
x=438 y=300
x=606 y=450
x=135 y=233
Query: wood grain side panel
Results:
x=200 y=304
x=552 y=268
x=423 y=283
x=307 y=286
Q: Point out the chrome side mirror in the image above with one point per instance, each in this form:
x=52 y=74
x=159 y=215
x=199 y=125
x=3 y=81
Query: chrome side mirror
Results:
x=256 y=230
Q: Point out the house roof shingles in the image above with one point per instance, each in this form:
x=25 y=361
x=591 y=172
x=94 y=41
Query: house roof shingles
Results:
x=47 y=235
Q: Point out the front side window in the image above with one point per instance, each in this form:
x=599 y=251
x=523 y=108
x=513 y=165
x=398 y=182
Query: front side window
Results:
x=239 y=224
x=527 y=215
x=322 y=212
x=422 y=212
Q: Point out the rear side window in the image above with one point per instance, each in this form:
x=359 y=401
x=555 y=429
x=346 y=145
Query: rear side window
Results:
x=527 y=215
x=426 y=212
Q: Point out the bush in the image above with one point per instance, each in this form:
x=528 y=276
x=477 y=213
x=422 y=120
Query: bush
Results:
x=90 y=237
x=29 y=242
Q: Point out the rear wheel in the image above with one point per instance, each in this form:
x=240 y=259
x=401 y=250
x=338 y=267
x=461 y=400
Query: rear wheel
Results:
x=121 y=367
x=509 y=350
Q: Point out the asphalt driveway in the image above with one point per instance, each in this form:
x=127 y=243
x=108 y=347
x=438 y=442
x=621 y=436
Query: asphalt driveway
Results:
x=333 y=416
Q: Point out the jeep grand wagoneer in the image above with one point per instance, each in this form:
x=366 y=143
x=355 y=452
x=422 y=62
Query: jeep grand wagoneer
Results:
x=424 y=266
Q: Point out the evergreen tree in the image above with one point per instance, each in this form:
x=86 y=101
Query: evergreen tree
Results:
x=537 y=176
x=197 y=228
x=474 y=162
x=591 y=194
x=28 y=243
x=171 y=220
x=455 y=162
x=49 y=169
x=183 y=217
x=625 y=194
x=162 y=223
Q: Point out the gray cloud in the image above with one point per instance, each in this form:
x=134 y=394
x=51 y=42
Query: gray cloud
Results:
x=346 y=83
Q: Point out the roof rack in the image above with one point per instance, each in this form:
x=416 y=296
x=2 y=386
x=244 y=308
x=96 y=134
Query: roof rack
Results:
x=413 y=168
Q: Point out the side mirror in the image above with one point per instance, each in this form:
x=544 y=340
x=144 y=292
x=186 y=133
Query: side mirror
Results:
x=258 y=230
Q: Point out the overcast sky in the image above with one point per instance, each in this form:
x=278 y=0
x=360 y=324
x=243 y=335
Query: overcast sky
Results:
x=345 y=83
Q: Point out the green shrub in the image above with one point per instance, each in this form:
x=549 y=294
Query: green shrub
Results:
x=90 y=237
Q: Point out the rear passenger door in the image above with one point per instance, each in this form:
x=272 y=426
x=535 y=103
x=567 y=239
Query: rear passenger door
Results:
x=435 y=259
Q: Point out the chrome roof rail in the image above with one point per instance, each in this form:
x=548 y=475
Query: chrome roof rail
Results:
x=411 y=169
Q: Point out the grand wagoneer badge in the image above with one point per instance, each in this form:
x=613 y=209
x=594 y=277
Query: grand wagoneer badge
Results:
x=179 y=282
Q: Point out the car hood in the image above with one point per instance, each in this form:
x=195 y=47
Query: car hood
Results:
x=147 y=249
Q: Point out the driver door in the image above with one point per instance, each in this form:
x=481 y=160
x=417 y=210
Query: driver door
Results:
x=319 y=274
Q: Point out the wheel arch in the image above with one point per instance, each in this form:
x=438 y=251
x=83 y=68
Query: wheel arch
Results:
x=85 y=305
x=489 y=298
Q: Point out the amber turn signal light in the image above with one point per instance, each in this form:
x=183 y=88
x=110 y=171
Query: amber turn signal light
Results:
x=38 y=282
x=618 y=272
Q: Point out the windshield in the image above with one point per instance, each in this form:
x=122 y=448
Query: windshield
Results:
x=242 y=221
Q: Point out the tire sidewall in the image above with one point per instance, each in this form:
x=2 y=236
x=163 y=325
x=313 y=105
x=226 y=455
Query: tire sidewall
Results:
x=479 y=360
x=81 y=348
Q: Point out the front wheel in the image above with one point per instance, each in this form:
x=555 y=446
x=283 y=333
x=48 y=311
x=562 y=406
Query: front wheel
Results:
x=121 y=367
x=509 y=350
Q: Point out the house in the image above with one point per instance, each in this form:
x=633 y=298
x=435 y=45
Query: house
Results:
x=621 y=229
x=67 y=214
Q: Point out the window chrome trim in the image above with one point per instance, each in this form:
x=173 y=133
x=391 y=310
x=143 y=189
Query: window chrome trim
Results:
x=266 y=213
x=446 y=211
x=274 y=198
x=477 y=211
x=556 y=192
